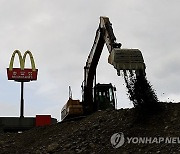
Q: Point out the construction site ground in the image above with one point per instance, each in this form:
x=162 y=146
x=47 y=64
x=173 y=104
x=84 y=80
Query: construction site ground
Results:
x=92 y=134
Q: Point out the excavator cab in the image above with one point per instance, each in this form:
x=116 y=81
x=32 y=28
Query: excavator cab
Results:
x=104 y=96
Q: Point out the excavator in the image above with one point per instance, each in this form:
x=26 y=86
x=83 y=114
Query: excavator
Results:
x=102 y=96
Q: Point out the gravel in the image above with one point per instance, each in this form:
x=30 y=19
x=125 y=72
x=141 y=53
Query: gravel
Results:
x=92 y=134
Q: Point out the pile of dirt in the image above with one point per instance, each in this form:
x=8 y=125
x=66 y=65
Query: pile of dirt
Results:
x=93 y=134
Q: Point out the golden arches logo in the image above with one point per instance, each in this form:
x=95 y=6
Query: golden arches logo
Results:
x=22 y=60
x=22 y=74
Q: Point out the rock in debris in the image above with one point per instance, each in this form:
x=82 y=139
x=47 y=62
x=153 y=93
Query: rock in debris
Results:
x=52 y=147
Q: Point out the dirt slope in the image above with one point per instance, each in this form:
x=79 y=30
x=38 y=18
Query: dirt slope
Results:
x=93 y=133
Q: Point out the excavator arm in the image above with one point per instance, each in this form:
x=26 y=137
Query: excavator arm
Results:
x=121 y=59
x=104 y=34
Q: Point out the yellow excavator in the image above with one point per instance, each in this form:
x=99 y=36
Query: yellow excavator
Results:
x=102 y=96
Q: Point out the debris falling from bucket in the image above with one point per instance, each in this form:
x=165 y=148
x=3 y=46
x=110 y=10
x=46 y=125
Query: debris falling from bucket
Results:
x=140 y=91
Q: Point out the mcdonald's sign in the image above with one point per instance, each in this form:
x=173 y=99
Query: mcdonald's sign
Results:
x=22 y=74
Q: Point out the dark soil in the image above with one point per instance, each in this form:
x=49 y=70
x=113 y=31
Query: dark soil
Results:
x=93 y=133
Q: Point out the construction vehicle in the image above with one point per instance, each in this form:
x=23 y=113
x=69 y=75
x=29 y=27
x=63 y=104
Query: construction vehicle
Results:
x=102 y=96
x=72 y=108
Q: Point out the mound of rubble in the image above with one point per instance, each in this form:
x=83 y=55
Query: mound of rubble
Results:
x=93 y=134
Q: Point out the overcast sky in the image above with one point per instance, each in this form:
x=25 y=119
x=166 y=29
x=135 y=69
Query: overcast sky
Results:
x=60 y=34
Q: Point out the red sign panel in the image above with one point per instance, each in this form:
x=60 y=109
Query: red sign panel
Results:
x=43 y=120
x=22 y=75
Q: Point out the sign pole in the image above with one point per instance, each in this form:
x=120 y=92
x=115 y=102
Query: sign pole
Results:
x=22 y=101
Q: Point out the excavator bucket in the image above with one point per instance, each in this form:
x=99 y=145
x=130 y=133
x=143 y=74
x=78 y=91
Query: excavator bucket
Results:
x=126 y=59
